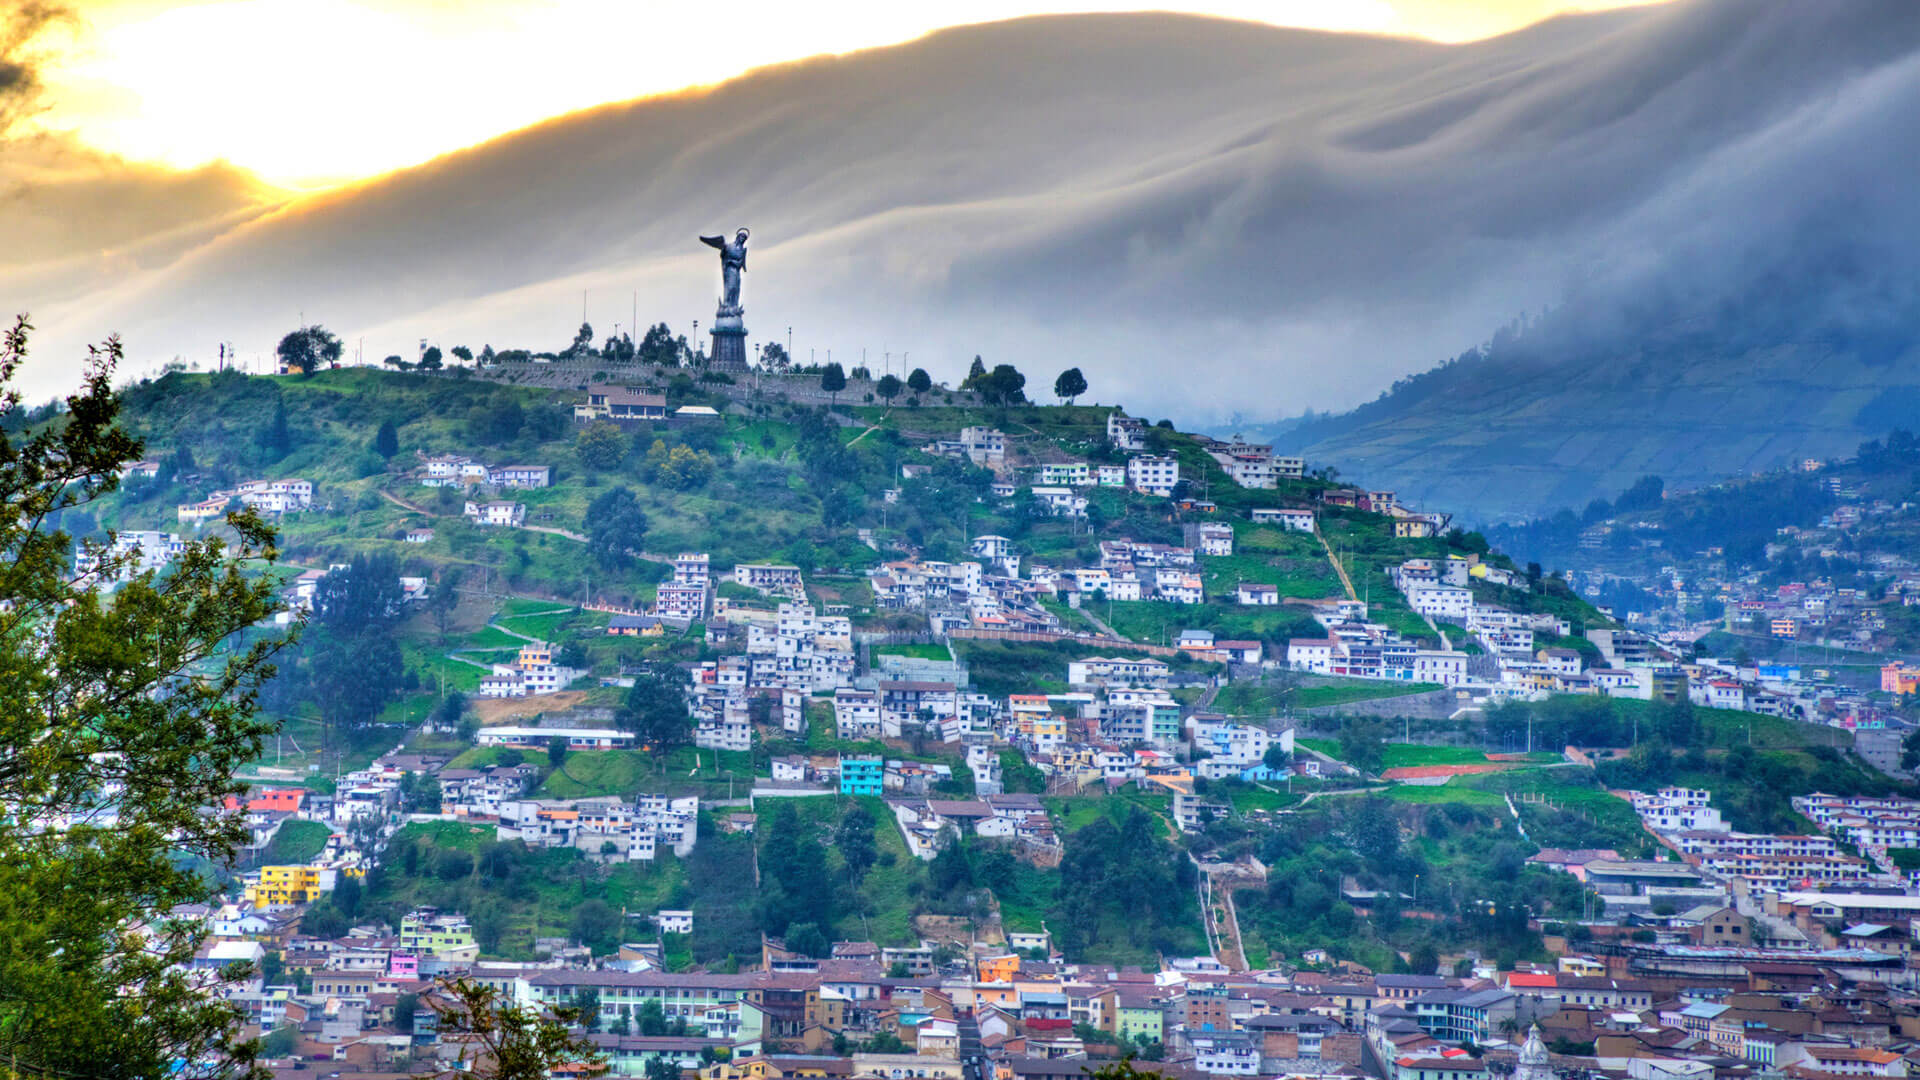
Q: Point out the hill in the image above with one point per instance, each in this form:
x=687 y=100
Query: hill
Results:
x=1121 y=191
x=1565 y=416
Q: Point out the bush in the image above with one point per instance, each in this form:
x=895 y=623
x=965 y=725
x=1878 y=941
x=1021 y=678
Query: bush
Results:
x=452 y=864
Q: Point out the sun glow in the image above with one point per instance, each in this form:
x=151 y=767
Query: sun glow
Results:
x=312 y=92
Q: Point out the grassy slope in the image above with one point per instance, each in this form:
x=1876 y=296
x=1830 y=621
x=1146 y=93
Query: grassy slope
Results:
x=295 y=842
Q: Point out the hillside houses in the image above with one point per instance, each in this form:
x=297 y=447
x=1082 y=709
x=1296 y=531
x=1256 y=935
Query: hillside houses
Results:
x=266 y=496
x=606 y=830
x=1253 y=465
x=452 y=470
x=130 y=554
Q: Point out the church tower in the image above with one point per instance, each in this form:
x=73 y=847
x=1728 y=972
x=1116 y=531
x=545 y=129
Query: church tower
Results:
x=1533 y=1064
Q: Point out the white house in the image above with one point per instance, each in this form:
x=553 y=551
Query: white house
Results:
x=1253 y=594
x=1125 y=432
x=1153 y=475
x=1441 y=601
x=509 y=514
x=1061 y=501
x=1312 y=654
x=1448 y=668
x=538 y=738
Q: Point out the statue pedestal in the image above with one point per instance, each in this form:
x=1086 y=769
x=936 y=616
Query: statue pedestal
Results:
x=729 y=352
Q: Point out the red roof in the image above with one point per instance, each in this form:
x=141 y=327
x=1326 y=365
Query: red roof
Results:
x=271 y=800
x=1533 y=979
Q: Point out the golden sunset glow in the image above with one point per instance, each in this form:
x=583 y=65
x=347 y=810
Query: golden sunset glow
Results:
x=312 y=92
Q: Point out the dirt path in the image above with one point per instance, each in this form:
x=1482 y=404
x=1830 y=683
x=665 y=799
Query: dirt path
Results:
x=869 y=431
x=402 y=503
x=1337 y=568
x=1101 y=625
x=553 y=530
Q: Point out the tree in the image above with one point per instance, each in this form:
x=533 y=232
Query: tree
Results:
x=974 y=374
x=444 y=601
x=596 y=925
x=280 y=1042
x=465 y=354
x=557 y=751
x=511 y=1042
x=651 y=1020
x=430 y=360
x=855 y=841
x=386 y=441
x=309 y=348
x=808 y=940
x=600 y=445
x=616 y=528
x=354 y=676
x=1003 y=386
x=582 y=341
x=145 y=692
x=451 y=709
x=833 y=380
x=657 y=347
x=1276 y=759
x=587 y=1000
x=919 y=381
x=656 y=711
x=396 y=362
x=888 y=387
x=346 y=895
x=363 y=596
x=275 y=440
x=1071 y=384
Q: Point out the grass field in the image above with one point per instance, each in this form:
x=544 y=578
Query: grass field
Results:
x=1451 y=792
x=295 y=843
x=1311 y=697
x=1401 y=755
x=589 y=773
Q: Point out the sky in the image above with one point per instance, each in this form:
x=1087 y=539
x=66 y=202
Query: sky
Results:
x=310 y=93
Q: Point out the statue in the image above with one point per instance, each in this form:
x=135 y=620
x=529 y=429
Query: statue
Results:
x=729 y=329
x=733 y=260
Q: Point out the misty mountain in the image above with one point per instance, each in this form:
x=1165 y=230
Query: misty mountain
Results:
x=1208 y=217
x=1556 y=416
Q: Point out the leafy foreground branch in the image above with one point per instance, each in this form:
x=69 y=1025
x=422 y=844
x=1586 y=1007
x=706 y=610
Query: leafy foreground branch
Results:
x=509 y=1042
x=126 y=703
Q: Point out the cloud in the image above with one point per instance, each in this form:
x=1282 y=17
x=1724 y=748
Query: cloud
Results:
x=1205 y=216
x=25 y=46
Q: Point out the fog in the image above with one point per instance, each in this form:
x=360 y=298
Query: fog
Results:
x=1207 y=217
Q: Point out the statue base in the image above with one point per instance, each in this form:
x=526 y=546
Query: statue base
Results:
x=729 y=352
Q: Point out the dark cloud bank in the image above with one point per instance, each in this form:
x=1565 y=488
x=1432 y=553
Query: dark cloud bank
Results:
x=1210 y=218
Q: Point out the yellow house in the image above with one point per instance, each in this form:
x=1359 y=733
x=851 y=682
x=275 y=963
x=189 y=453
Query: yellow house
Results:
x=280 y=886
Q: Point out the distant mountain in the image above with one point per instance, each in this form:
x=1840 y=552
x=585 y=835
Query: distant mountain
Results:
x=1566 y=412
x=1206 y=216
